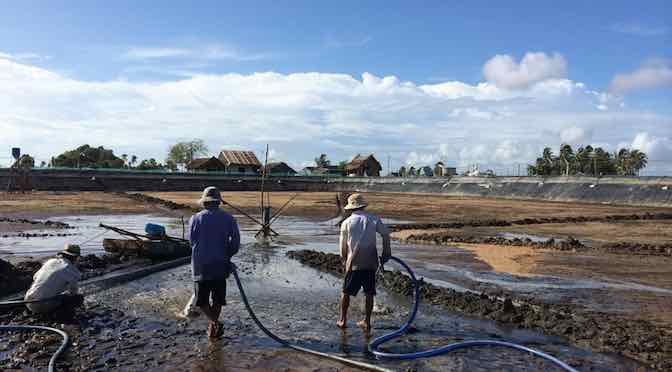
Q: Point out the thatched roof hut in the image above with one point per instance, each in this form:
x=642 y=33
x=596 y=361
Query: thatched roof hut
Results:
x=363 y=166
x=279 y=168
x=211 y=164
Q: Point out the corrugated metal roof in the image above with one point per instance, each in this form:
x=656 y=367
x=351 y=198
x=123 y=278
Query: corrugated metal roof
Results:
x=235 y=157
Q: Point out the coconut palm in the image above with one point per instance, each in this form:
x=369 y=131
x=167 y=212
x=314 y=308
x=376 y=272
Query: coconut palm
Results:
x=567 y=157
x=638 y=161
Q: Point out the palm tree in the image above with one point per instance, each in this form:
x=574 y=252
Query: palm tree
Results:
x=622 y=159
x=638 y=161
x=322 y=161
x=567 y=156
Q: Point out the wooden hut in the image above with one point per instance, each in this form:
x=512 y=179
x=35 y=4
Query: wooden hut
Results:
x=240 y=161
x=211 y=164
x=363 y=166
x=280 y=168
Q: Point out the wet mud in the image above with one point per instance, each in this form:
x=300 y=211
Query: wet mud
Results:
x=167 y=204
x=570 y=244
x=36 y=224
x=18 y=277
x=600 y=332
x=534 y=221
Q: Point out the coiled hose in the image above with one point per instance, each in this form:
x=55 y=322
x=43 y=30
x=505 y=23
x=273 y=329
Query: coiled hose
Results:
x=61 y=349
x=373 y=345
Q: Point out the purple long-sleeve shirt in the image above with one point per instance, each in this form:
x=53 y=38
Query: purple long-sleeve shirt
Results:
x=214 y=238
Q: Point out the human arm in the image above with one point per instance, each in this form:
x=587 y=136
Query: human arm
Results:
x=234 y=243
x=343 y=244
x=193 y=231
x=385 y=234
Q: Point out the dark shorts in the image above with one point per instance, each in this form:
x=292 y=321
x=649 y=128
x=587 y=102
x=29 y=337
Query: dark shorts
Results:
x=215 y=289
x=357 y=279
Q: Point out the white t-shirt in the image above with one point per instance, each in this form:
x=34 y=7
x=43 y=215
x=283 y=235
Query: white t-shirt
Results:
x=56 y=276
x=358 y=240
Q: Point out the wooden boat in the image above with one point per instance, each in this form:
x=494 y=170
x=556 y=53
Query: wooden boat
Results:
x=154 y=247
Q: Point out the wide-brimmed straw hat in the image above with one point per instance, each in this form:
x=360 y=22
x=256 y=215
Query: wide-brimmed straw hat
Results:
x=210 y=194
x=71 y=250
x=355 y=201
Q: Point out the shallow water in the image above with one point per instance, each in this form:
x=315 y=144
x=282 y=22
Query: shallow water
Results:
x=301 y=304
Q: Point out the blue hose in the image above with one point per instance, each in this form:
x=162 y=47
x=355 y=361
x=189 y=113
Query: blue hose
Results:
x=373 y=346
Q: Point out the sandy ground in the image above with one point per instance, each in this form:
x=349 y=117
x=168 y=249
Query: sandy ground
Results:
x=419 y=207
x=521 y=261
x=49 y=204
x=652 y=232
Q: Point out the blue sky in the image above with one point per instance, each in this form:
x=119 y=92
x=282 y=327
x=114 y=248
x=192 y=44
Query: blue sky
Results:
x=599 y=72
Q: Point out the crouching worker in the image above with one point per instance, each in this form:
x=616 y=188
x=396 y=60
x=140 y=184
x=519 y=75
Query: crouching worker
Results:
x=55 y=284
x=215 y=238
x=360 y=257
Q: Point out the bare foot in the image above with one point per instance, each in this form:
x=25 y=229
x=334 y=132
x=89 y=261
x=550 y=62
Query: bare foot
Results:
x=364 y=325
x=341 y=324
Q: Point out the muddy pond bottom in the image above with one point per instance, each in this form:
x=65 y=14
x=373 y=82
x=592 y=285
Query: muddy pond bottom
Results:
x=300 y=304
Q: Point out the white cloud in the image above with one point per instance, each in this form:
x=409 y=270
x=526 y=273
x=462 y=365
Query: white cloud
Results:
x=505 y=72
x=655 y=147
x=305 y=114
x=575 y=135
x=653 y=73
x=155 y=52
x=639 y=29
x=26 y=56
x=203 y=52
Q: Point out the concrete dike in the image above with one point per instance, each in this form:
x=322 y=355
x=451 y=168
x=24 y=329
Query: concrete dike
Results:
x=641 y=191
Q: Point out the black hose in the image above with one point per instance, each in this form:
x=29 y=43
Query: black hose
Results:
x=23 y=328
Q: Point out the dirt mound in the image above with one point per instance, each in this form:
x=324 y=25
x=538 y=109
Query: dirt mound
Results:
x=601 y=332
x=639 y=248
x=143 y=198
x=13 y=279
x=569 y=244
x=47 y=223
x=533 y=221
x=36 y=235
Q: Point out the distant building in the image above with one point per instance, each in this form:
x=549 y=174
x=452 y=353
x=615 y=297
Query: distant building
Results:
x=330 y=170
x=363 y=166
x=280 y=168
x=240 y=161
x=425 y=172
x=440 y=170
x=206 y=165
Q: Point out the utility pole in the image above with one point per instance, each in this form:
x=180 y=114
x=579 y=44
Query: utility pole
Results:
x=389 y=170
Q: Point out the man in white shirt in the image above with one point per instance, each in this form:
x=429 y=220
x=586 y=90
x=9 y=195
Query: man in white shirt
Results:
x=360 y=257
x=58 y=277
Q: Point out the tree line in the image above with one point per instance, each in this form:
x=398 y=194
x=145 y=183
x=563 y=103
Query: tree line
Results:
x=86 y=156
x=588 y=161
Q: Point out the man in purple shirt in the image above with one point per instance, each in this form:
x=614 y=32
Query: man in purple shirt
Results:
x=214 y=238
